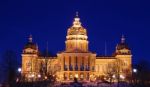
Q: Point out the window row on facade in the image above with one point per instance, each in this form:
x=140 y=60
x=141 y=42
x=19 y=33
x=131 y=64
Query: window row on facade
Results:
x=78 y=68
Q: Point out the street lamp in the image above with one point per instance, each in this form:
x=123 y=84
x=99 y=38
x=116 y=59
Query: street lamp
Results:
x=19 y=74
x=19 y=70
x=134 y=76
x=134 y=70
x=39 y=76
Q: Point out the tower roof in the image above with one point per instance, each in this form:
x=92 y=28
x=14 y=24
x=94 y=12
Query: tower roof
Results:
x=122 y=44
x=122 y=48
x=30 y=43
x=122 y=39
x=30 y=38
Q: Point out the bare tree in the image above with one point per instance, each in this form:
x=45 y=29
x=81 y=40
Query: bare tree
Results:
x=143 y=73
x=9 y=65
x=109 y=71
x=118 y=69
x=114 y=69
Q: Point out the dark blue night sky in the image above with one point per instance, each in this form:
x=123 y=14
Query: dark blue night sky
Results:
x=48 y=20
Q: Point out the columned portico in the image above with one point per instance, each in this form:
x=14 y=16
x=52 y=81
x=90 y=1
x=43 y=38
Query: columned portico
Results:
x=77 y=61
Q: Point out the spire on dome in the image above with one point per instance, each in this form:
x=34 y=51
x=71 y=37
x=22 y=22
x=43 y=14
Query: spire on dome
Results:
x=122 y=39
x=37 y=47
x=30 y=44
x=30 y=38
x=77 y=22
x=122 y=48
x=77 y=14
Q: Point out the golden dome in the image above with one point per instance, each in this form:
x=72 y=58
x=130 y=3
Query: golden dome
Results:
x=77 y=28
x=77 y=31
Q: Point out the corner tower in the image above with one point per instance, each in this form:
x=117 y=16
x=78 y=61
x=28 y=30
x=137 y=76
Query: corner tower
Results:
x=123 y=53
x=29 y=58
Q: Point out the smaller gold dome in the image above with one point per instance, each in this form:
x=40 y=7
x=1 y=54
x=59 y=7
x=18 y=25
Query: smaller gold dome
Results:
x=30 y=44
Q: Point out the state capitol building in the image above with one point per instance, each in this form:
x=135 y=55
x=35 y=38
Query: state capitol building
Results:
x=77 y=61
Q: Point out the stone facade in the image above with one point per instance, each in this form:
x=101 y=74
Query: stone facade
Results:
x=76 y=61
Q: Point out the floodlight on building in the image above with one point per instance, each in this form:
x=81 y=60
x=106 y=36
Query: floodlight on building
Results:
x=76 y=76
x=122 y=77
x=114 y=76
x=39 y=76
x=32 y=75
x=45 y=77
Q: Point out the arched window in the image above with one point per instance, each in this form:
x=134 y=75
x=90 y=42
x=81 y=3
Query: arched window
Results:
x=71 y=76
x=81 y=76
x=76 y=68
x=76 y=60
x=82 y=68
x=93 y=68
x=69 y=60
x=70 y=68
x=28 y=65
x=65 y=76
x=65 y=68
x=87 y=68
x=82 y=60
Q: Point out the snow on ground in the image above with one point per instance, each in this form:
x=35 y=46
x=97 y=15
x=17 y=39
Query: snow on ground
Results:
x=93 y=84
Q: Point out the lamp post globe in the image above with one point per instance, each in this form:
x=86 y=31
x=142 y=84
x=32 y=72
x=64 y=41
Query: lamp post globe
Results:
x=134 y=70
x=19 y=70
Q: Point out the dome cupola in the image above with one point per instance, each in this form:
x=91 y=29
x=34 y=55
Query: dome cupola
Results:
x=76 y=28
x=122 y=48
x=30 y=47
x=123 y=44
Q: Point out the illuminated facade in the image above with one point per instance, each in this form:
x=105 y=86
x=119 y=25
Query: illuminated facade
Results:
x=76 y=61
